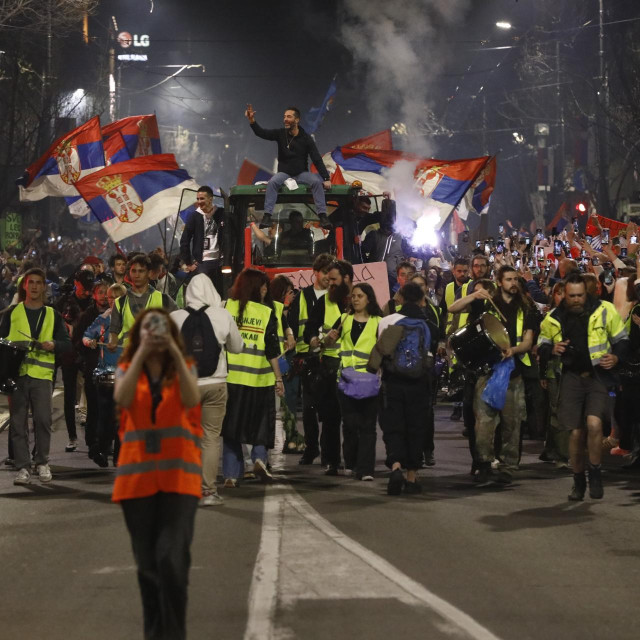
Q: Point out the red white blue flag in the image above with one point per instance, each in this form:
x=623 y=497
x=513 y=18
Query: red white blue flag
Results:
x=70 y=158
x=140 y=134
x=252 y=173
x=131 y=196
x=115 y=150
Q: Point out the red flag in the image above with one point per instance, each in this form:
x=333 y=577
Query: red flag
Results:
x=337 y=177
x=380 y=140
x=614 y=226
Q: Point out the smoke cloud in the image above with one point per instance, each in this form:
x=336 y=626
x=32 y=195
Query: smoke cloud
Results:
x=402 y=47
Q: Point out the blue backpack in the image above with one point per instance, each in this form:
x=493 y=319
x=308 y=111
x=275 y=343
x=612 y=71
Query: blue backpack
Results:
x=412 y=358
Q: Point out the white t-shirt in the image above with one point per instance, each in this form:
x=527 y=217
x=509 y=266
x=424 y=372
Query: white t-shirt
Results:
x=211 y=250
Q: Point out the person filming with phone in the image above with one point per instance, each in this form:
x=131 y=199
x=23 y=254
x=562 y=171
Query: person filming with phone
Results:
x=159 y=466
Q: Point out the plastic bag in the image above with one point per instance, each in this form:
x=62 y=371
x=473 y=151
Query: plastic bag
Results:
x=495 y=393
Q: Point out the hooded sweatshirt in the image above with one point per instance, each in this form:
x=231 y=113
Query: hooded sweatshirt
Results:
x=201 y=292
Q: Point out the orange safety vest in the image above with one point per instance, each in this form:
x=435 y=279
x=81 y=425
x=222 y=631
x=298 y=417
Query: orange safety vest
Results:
x=176 y=435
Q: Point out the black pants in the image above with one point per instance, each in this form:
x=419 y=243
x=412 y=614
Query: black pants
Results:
x=626 y=413
x=326 y=392
x=359 y=433
x=91 y=429
x=70 y=380
x=536 y=405
x=161 y=529
x=309 y=411
x=468 y=415
x=212 y=268
x=107 y=422
x=429 y=441
x=403 y=405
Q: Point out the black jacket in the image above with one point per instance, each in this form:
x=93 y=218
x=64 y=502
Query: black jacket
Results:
x=292 y=159
x=192 y=239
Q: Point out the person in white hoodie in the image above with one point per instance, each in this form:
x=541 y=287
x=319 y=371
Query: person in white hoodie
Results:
x=213 y=388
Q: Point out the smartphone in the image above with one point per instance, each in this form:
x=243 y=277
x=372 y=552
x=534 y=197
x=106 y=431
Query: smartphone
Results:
x=492 y=259
x=575 y=225
x=157 y=324
x=548 y=262
x=566 y=246
x=478 y=243
x=530 y=264
x=633 y=239
x=546 y=272
x=583 y=254
x=499 y=246
x=487 y=248
x=608 y=277
x=527 y=241
x=540 y=253
x=557 y=247
x=594 y=261
x=514 y=234
x=623 y=252
x=500 y=229
x=588 y=238
x=518 y=263
x=515 y=254
x=465 y=236
x=604 y=236
x=539 y=235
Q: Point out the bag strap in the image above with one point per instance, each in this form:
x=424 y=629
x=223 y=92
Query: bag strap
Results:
x=39 y=324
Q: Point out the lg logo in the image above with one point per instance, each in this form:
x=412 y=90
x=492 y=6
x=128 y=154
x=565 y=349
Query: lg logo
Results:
x=125 y=39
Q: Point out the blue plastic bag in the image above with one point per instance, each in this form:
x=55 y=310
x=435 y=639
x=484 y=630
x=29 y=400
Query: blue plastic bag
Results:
x=495 y=393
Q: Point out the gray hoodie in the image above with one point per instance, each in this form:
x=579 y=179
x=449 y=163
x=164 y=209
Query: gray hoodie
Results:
x=199 y=293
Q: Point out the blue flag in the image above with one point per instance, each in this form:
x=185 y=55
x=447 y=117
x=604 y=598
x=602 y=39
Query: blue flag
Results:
x=314 y=118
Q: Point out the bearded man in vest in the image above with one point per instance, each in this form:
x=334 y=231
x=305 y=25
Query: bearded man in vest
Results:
x=455 y=290
x=329 y=309
x=521 y=325
x=140 y=296
x=590 y=337
x=40 y=330
x=298 y=316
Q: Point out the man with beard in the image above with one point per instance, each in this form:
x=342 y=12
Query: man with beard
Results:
x=329 y=309
x=298 y=316
x=520 y=324
x=590 y=337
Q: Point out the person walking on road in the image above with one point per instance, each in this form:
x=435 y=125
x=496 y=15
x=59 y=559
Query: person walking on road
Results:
x=159 y=467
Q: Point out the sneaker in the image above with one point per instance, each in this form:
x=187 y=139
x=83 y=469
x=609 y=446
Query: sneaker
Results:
x=9 y=462
x=367 y=478
x=248 y=475
x=265 y=223
x=484 y=477
x=230 y=483
x=562 y=464
x=101 y=460
x=44 y=473
x=545 y=457
x=429 y=460
x=503 y=477
x=617 y=451
x=331 y=470
x=22 y=477
x=579 y=487
x=348 y=473
x=595 y=481
x=396 y=481
x=72 y=445
x=457 y=414
x=308 y=457
x=261 y=471
x=211 y=500
x=495 y=464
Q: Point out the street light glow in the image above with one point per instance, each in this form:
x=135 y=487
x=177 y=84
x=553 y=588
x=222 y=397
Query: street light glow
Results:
x=503 y=24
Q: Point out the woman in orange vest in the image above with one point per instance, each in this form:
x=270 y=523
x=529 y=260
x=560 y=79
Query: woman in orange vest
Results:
x=159 y=468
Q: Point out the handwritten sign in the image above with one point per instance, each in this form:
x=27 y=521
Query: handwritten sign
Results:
x=11 y=231
x=373 y=273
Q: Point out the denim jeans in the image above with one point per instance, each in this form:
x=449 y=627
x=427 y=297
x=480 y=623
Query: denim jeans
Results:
x=233 y=460
x=306 y=177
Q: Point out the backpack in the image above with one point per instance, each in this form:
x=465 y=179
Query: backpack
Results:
x=200 y=341
x=411 y=358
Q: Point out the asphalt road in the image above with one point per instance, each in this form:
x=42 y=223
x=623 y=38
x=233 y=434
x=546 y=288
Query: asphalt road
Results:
x=314 y=557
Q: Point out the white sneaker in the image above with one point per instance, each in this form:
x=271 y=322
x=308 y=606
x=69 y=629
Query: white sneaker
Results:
x=211 y=500
x=495 y=464
x=22 y=477
x=72 y=445
x=348 y=473
x=262 y=472
x=44 y=473
x=367 y=478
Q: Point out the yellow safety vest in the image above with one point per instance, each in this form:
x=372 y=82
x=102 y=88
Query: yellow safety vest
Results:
x=303 y=316
x=524 y=357
x=37 y=363
x=153 y=302
x=357 y=355
x=279 y=309
x=604 y=329
x=331 y=314
x=251 y=367
x=455 y=320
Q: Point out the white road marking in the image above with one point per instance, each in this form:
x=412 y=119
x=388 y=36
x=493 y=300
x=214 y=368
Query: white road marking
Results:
x=284 y=573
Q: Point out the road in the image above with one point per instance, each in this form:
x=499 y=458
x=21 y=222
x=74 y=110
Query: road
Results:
x=314 y=557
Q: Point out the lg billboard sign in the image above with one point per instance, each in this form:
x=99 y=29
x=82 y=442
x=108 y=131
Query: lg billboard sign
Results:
x=126 y=40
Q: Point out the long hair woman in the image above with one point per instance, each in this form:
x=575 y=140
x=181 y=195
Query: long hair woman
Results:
x=253 y=374
x=357 y=333
x=159 y=468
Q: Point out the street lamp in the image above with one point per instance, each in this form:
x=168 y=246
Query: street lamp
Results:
x=503 y=24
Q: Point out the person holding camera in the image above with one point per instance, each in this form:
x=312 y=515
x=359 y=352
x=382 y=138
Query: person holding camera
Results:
x=589 y=336
x=159 y=466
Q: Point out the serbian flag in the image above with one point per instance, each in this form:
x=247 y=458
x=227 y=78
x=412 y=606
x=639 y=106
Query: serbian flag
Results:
x=131 y=196
x=250 y=173
x=70 y=158
x=115 y=150
x=316 y=115
x=441 y=184
x=140 y=134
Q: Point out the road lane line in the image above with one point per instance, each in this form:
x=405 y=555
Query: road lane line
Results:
x=267 y=573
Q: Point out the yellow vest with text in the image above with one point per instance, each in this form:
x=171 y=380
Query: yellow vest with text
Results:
x=37 y=363
x=279 y=309
x=154 y=302
x=250 y=367
x=357 y=355
x=605 y=328
x=455 y=320
x=303 y=316
x=524 y=357
x=331 y=314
